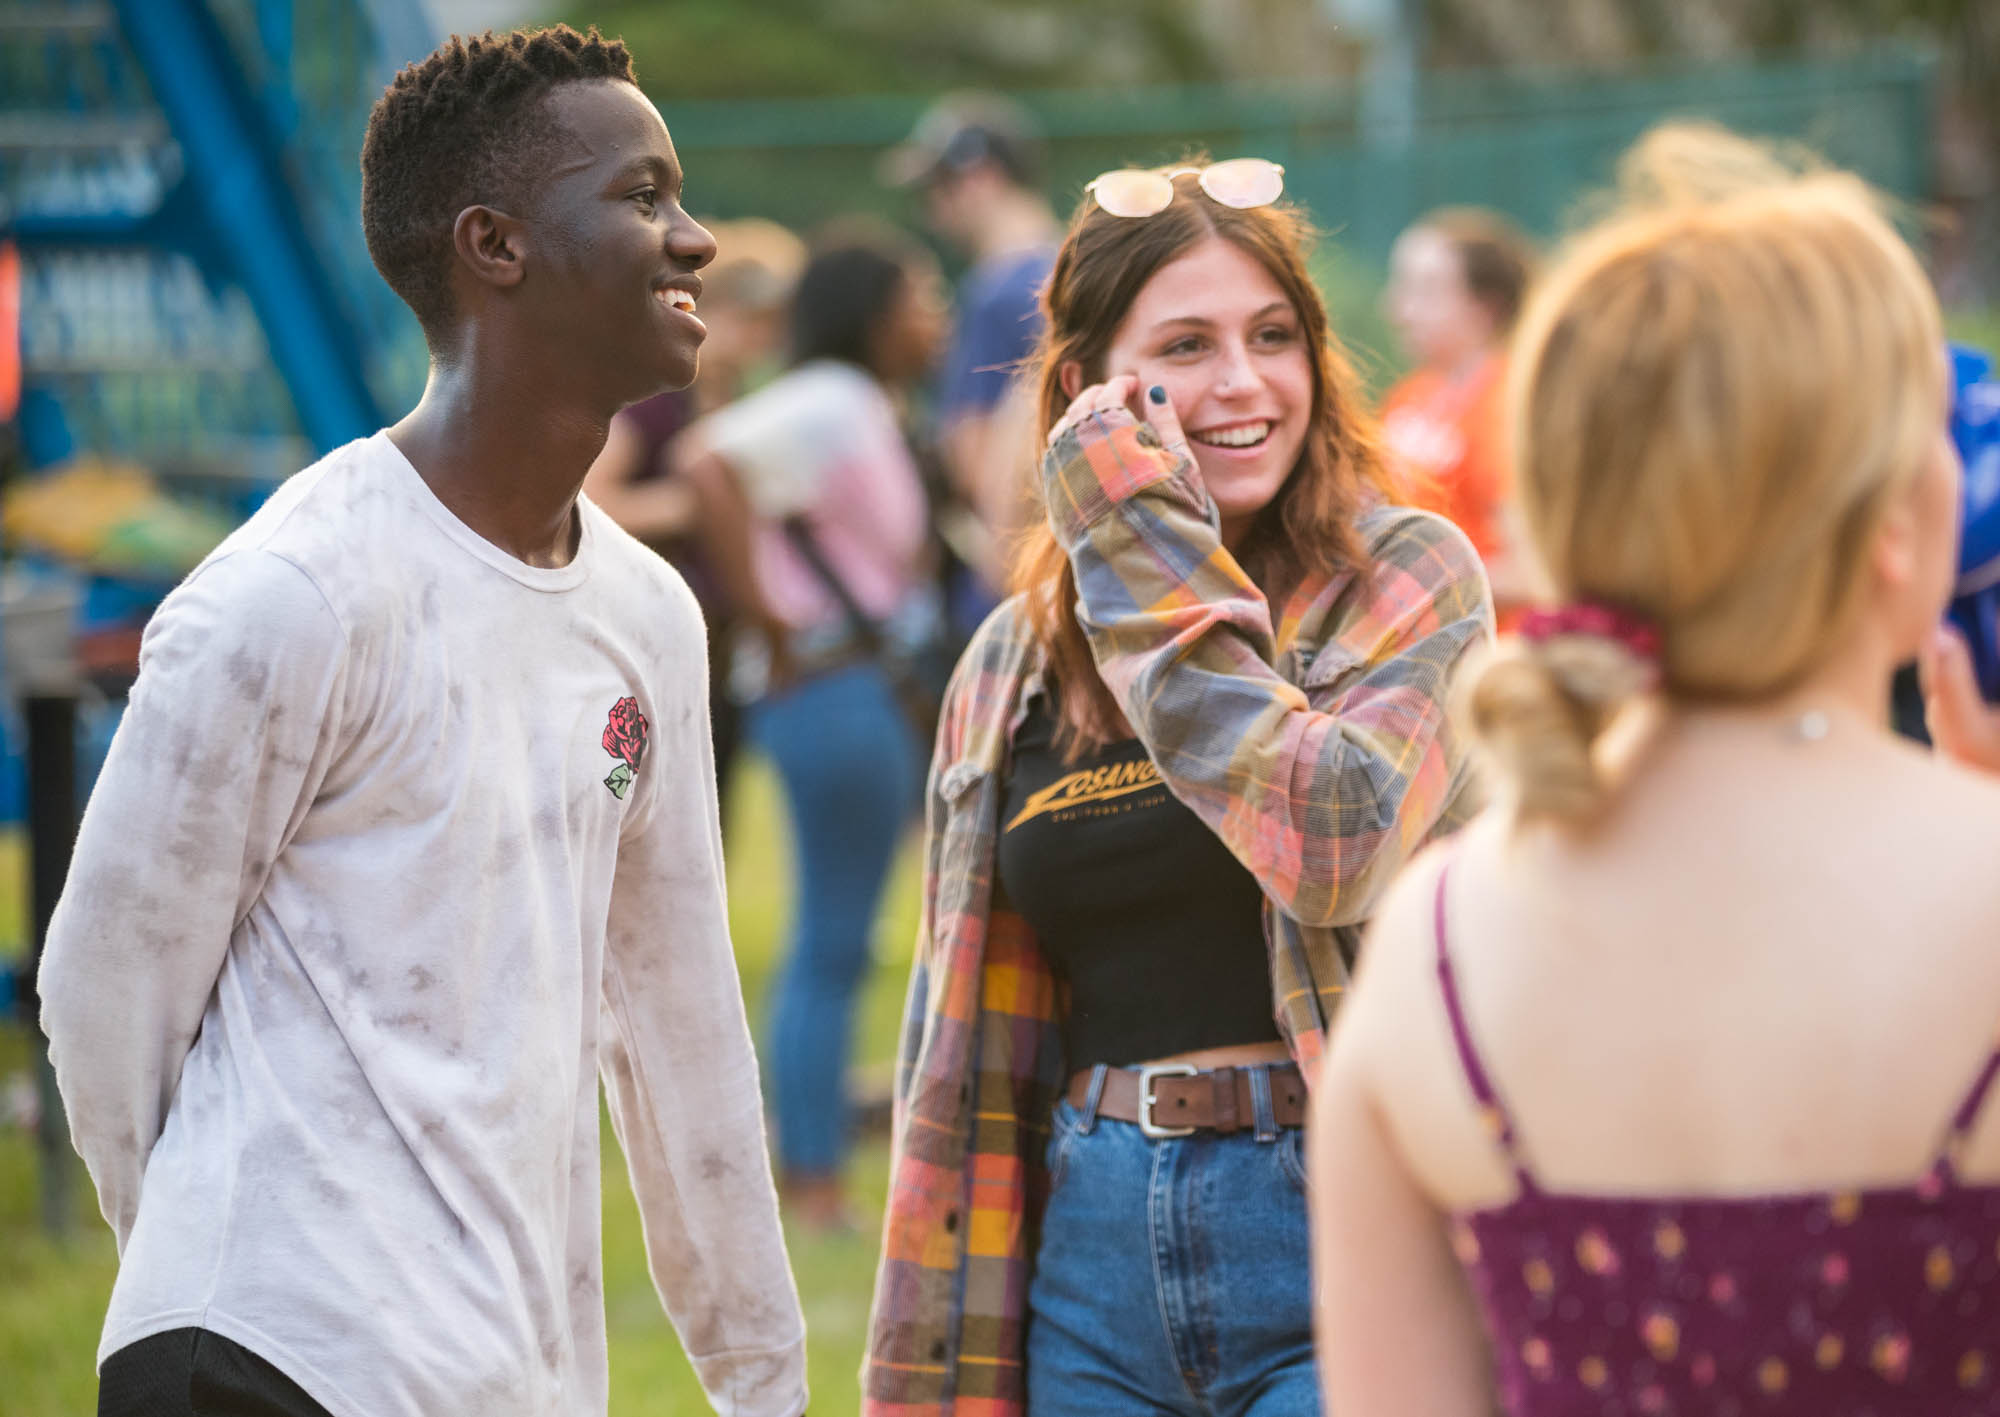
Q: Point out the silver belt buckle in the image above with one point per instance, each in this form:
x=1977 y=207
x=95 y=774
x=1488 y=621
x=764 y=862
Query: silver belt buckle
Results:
x=1147 y=1074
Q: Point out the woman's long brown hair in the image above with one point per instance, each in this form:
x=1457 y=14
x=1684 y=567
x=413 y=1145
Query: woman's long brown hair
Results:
x=1306 y=530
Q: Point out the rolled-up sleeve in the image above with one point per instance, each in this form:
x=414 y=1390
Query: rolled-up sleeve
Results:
x=1320 y=791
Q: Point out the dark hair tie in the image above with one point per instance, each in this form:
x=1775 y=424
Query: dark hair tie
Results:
x=1639 y=636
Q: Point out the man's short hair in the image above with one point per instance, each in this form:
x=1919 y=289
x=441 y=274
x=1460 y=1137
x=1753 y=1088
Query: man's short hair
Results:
x=459 y=129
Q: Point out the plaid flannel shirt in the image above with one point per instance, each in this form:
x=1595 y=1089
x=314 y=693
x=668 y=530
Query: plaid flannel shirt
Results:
x=1317 y=748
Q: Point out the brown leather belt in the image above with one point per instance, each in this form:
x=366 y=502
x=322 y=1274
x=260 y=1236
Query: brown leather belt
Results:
x=1173 y=1099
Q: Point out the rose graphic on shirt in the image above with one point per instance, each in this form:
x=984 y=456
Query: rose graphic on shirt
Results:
x=625 y=740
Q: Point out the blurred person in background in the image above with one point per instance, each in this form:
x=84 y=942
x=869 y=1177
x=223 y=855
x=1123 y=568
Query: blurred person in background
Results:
x=408 y=835
x=813 y=503
x=745 y=296
x=1958 y=675
x=1176 y=770
x=1629 y=1111
x=977 y=159
x=1961 y=722
x=1456 y=282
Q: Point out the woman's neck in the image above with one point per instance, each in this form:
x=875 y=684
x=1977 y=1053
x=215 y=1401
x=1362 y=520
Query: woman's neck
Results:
x=1845 y=700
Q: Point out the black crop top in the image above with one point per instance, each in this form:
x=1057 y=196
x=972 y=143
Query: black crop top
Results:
x=1156 y=929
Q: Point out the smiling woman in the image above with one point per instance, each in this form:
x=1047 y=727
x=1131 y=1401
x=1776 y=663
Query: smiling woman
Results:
x=1175 y=771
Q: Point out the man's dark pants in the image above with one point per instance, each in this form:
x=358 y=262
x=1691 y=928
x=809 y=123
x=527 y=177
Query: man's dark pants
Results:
x=190 y=1372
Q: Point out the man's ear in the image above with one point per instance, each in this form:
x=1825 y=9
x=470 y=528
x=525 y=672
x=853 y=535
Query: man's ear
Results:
x=491 y=245
x=1070 y=375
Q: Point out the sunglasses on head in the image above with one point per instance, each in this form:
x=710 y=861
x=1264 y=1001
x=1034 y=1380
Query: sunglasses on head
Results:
x=1240 y=182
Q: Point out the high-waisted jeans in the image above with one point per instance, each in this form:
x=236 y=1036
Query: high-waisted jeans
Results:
x=1173 y=1275
x=849 y=764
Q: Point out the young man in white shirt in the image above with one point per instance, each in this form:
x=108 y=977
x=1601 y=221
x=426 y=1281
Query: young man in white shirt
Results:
x=411 y=825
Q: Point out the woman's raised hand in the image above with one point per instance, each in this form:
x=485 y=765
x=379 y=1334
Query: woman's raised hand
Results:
x=1123 y=393
x=1962 y=724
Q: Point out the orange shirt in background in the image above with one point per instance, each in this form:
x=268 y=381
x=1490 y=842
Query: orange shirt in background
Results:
x=1447 y=452
x=1447 y=448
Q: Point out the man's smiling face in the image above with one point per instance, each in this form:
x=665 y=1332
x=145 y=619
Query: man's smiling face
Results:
x=614 y=288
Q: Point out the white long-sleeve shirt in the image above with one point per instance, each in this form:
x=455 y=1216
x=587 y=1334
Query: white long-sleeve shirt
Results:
x=360 y=904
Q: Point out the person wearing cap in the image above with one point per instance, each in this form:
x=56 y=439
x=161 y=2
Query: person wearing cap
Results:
x=978 y=162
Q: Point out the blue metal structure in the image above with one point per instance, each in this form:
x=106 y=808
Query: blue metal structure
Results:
x=181 y=178
x=246 y=210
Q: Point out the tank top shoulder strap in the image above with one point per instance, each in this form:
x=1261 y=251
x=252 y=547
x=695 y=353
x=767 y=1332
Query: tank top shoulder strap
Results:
x=1944 y=1170
x=1499 y=1122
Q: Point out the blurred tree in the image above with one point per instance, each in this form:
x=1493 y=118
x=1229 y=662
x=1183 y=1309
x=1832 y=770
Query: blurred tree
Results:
x=697 y=49
x=734 y=49
x=1611 y=33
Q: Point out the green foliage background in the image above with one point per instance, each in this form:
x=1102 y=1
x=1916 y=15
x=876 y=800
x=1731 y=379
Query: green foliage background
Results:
x=734 y=49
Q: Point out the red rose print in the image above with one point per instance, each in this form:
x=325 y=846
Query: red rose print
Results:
x=624 y=739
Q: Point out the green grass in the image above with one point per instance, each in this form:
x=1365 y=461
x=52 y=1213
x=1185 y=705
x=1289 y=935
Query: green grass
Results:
x=52 y=1296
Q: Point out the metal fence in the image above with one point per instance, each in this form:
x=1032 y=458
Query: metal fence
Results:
x=1528 y=146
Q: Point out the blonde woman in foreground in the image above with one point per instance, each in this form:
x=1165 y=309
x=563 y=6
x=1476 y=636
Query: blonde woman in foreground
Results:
x=1662 y=1088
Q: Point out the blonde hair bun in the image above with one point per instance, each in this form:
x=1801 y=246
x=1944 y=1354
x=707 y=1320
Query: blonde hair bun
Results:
x=1539 y=709
x=1713 y=397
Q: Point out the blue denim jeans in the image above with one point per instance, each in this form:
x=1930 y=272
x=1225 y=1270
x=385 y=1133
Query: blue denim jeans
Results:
x=849 y=764
x=1173 y=1275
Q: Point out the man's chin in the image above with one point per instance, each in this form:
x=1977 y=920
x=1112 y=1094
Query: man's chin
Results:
x=665 y=376
x=678 y=373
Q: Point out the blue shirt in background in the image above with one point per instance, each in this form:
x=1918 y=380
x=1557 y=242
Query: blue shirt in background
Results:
x=999 y=321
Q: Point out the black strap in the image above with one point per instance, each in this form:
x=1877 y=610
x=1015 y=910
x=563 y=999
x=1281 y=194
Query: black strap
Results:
x=866 y=632
x=919 y=703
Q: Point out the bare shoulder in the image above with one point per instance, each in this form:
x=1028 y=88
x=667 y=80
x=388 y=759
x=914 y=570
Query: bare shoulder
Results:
x=1969 y=789
x=1393 y=1043
x=1940 y=825
x=1396 y=977
x=1964 y=802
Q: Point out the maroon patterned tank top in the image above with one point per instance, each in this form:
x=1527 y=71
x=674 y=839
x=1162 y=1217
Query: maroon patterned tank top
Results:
x=1874 y=1303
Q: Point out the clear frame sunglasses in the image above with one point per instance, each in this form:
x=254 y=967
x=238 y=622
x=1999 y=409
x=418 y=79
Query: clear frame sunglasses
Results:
x=1240 y=182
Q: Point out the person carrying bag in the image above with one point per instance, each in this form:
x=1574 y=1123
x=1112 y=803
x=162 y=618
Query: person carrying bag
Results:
x=815 y=513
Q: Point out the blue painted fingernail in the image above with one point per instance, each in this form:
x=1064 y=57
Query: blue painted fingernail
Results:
x=1158 y=393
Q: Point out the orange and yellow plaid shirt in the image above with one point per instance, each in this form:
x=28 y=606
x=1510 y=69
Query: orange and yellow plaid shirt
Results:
x=1316 y=747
